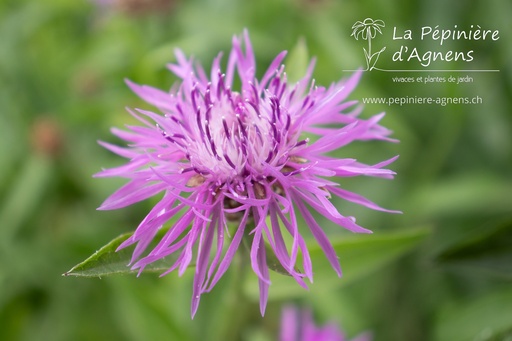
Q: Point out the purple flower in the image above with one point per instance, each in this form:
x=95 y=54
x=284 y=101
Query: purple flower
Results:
x=221 y=154
x=298 y=325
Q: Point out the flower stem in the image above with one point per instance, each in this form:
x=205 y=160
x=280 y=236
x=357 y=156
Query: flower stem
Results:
x=232 y=311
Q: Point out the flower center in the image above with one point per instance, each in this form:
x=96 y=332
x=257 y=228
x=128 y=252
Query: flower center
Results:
x=233 y=137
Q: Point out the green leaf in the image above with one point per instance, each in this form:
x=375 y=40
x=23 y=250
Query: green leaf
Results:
x=297 y=62
x=359 y=255
x=106 y=261
x=463 y=195
x=273 y=262
x=486 y=317
x=25 y=196
x=486 y=248
x=146 y=315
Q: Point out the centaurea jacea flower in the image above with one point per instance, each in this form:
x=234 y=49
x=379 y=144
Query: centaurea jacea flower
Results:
x=220 y=154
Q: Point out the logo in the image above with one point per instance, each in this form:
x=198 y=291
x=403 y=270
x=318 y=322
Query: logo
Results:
x=426 y=48
x=367 y=30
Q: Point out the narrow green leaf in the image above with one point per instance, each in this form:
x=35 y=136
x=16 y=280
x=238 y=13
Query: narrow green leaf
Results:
x=486 y=317
x=146 y=315
x=274 y=264
x=106 y=261
x=25 y=195
x=463 y=195
x=359 y=255
x=486 y=248
x=297 y=62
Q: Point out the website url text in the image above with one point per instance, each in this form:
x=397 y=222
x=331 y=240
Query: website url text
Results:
x=442 y=101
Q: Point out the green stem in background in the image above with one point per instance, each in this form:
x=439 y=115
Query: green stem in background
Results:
x=22 y=199
x=236 y=301
x=228 y=321
x=24 y=196
x=441 y=144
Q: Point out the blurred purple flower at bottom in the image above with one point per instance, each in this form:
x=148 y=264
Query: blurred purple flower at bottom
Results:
x=223 y=155
x=298 y=325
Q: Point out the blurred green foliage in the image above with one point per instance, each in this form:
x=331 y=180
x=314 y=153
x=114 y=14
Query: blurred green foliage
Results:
x=62 y=65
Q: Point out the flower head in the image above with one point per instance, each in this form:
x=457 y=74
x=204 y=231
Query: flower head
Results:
x=297 y=325
x=367 y=29
x=221 y=154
